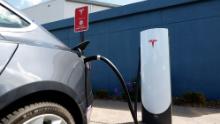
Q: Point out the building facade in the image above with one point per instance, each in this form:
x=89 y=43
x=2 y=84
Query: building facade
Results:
x=55 y=10
x=193 y=25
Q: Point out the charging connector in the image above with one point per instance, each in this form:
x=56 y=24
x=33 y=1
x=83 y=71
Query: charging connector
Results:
x=120 y=77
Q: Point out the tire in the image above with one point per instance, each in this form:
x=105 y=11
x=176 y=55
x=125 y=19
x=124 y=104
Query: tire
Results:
x=46 y=110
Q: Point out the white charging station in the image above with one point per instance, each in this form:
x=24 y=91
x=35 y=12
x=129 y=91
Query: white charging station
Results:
x=155 y=76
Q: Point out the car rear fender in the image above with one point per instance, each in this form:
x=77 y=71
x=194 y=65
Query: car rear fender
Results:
x=7 y=50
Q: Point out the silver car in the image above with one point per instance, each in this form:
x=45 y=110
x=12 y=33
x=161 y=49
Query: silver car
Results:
x=42 y=81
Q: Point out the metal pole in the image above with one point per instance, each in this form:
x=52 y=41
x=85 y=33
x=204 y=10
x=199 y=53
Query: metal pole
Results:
x=82 y=36
x=136 y=98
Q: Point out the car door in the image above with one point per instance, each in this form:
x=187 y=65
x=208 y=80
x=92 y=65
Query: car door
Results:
x=8 y=21
x=6 y=52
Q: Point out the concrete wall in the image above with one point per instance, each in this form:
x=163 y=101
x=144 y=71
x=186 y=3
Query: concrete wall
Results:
x=46 y=12
x=194 y=27
x=95 y=8
x=55 y=10
x=69 y=8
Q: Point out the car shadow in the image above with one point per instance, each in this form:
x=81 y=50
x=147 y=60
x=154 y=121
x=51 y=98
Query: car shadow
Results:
x=193 y=111
x=176 y=110
x=96 y=122
x=114 y=105
x=131 y=123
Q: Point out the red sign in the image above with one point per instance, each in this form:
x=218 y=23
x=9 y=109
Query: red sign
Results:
x=81 y=22
x=153 y=42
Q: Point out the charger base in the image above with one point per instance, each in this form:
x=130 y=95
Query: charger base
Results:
x=149 y=118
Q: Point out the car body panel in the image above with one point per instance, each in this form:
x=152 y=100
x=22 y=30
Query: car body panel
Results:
x=32 y=34
x=32 y=64
x=1 y=37
x=43 y=69
x=40 y=62
x=7 y=50
x=36 y=37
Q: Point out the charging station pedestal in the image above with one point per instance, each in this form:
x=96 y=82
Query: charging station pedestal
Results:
x=155 y=76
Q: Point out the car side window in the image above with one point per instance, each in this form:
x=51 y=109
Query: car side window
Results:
x=8 y=19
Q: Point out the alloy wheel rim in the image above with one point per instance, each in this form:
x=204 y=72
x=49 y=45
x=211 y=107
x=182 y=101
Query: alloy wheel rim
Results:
x=46 y=119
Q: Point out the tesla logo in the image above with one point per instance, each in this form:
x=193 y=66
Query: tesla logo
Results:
x=81 y=11
x=153 y=42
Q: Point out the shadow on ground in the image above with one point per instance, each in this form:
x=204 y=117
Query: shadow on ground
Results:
x=176 y=110
x=96 y=122
x=193 y=111
x=117 y=105
x=130 y=123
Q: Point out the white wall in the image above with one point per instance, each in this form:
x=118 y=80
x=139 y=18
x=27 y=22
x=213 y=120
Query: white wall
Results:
x=96 y=8
x=69 y=8
x=55 y=10
x=46 y=12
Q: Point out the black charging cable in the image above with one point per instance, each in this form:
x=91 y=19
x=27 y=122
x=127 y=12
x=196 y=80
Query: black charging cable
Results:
x=119 y=75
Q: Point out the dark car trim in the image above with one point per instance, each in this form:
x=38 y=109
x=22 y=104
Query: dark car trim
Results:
x=36 y=87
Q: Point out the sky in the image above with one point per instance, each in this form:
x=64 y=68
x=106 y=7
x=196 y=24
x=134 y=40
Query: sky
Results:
x=20 y=4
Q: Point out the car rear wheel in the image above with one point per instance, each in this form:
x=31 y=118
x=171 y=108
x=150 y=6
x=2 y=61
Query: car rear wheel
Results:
x=40 y=113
